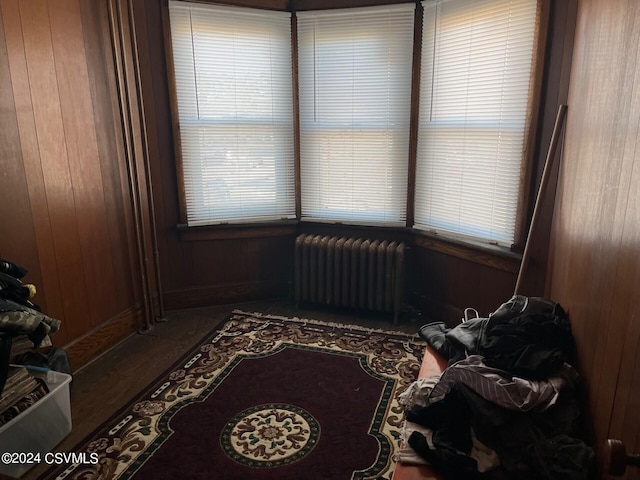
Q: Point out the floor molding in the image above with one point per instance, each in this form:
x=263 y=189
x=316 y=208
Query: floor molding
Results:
x=90 y=346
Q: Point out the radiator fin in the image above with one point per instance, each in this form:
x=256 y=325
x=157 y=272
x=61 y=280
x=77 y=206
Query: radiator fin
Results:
x=356 y=273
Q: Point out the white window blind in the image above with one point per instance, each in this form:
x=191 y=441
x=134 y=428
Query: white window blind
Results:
x=476 y=78
x=234 y=92
x=354 y=87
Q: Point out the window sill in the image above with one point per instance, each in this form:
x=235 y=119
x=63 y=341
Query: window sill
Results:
x=497 y=257
x=237 y=231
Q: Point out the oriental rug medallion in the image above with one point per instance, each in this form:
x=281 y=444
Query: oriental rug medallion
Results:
x=264 y=398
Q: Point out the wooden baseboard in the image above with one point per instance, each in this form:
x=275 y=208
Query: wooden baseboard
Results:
x=224 y=294
x=83 y=350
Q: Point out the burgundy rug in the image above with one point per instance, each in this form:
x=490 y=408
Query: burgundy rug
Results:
x=264 y=398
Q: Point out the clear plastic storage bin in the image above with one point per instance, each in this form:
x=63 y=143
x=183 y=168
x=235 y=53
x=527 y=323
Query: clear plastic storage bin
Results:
x=41 y=427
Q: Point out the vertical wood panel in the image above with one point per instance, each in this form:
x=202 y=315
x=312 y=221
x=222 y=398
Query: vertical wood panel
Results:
x=55 y=161
x=18 y=244
x=594 y=267
x=107 y=119
x=83 y=157
x=624 y=418
x=68 y=205
x=623 y=259
x=50 y=288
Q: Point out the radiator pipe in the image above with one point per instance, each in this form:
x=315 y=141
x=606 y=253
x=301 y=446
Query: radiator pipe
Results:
x=145 y=162
x=117 y=38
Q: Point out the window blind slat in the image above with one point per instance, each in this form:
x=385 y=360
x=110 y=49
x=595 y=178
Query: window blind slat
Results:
x=354 y=85
x=477 y=63
x=234 y=92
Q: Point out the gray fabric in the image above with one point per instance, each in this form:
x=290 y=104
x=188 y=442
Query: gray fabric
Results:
x=418 y=392
x=406 y=454
x=502 y=389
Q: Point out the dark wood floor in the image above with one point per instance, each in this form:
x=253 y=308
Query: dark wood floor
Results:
x=104 y=386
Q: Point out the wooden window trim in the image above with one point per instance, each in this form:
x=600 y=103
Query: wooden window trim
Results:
x=535 y=99
x=414 y=115
x=175 y=122
x=237 y=231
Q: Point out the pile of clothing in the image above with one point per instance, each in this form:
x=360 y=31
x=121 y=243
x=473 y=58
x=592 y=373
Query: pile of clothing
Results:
x=18 y=314
x=509 y=397
x=21 y=321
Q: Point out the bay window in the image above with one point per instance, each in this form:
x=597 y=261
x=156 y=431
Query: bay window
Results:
x=235 y=81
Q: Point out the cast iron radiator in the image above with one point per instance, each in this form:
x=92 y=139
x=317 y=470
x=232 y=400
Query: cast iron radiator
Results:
x=350 y=272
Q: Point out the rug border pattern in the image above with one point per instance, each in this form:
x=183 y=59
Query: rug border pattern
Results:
x=385 y=448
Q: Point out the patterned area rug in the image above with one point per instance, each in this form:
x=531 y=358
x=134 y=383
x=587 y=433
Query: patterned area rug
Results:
x=265 y=398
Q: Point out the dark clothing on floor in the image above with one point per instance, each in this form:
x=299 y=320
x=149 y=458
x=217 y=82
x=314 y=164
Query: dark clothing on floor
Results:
x=525 y=338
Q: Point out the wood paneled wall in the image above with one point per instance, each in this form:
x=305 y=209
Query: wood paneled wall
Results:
x=594 y=266
x=65 y=211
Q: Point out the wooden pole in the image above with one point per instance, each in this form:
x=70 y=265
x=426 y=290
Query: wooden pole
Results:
x=548 y=164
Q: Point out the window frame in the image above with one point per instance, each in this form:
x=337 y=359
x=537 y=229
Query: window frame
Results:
x=387 y=120
x=527 y=158
x=197 y=123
